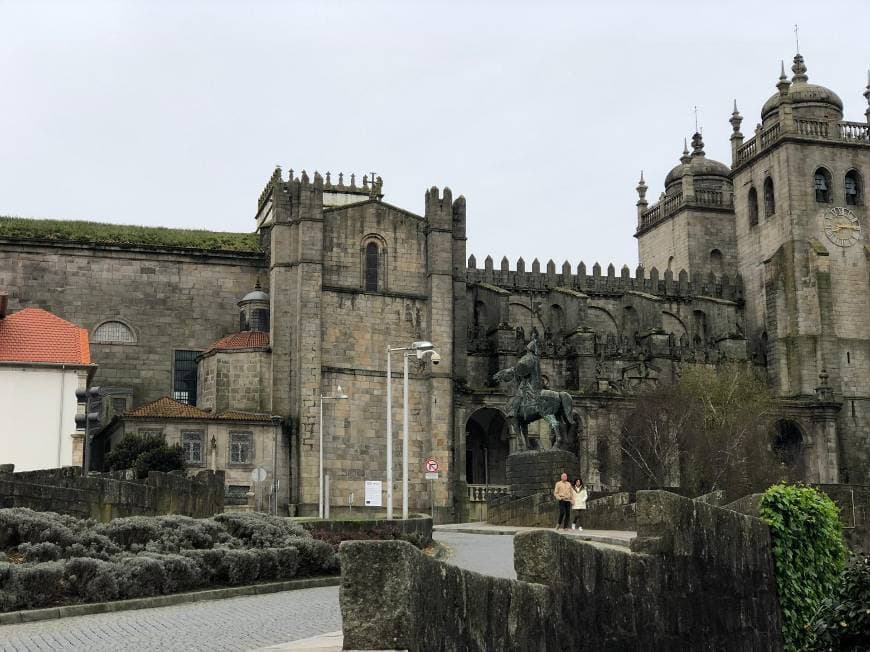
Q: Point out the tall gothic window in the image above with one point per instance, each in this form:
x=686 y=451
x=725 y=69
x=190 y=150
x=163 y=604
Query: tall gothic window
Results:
x=753 y=207
x=769 y=200
x=852 y=188
x=371 y=267
x=822 y=186
x=191 y=443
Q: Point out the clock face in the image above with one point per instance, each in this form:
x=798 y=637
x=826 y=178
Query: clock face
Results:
x=842 y=227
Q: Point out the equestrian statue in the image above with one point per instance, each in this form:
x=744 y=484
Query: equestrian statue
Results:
x=531 y=402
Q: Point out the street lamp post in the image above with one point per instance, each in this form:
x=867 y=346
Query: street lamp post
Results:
x=338 y=397
x=421 y=350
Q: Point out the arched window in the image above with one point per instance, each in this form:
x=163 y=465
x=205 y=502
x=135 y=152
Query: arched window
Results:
x=822 y=186
x=243 y=321
x=371 y=267
x=716 y=262
x=671 y=264
x=113 y=332
x=852 y=188
x=753 y=207
x=769 y=201
x=788 y=443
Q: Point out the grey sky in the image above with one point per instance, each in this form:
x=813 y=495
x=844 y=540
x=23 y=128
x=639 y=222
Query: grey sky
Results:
x=541 y=113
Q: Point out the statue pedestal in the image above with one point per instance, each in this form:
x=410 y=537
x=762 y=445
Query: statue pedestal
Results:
x=531 y=472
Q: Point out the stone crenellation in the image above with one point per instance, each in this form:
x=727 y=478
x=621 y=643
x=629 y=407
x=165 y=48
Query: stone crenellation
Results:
x=725 y=286
x=372 y=185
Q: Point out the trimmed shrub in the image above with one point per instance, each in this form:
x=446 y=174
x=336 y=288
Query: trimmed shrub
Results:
x=131 y=531
x=210 y=564
x=7 y=593
x=180 y=573
x=843 y=621
x=44 y=551
x=808 y=553
x=288 y=563
x=140 y=576
x=260 y=530
x=21 y=525
x=37 y=585
x=242 y=566
x=91 y=580
x=144 y=453
x=315 y=557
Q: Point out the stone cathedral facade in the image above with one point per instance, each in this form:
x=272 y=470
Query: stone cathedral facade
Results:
x=764 y=260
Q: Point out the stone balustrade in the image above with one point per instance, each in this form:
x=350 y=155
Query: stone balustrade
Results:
x=858 y=132
x=480 y=493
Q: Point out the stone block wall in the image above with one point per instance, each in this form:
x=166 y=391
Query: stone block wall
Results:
x=697 y=577
x=113 y=495
x=417 y=525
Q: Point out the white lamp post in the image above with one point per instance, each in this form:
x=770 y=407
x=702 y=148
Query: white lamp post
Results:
x=420 y=349
x=338 y=397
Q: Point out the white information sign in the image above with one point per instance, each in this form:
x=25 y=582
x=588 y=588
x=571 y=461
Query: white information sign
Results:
x=374 y=489
x=432 y=476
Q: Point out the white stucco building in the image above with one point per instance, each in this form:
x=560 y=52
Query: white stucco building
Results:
x=43 y=361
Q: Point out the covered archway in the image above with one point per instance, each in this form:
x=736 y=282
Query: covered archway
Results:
x=487 y=445
x=788 y=444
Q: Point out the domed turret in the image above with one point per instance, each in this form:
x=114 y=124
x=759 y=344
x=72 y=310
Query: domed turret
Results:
x=254 y=310
x=809 y=101
x=707 y=172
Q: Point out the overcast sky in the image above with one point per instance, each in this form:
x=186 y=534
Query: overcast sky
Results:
x=541 y=113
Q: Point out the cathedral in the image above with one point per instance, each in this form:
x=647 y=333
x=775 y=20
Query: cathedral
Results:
x=763 y=260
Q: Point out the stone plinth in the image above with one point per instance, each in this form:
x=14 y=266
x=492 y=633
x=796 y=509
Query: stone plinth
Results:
x=531 y=472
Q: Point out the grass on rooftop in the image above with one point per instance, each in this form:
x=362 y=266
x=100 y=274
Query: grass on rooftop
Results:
x=122 y=234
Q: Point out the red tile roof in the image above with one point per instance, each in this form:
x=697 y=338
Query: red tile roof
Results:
x=167 y=408
x=243 y=340
x=36 y=335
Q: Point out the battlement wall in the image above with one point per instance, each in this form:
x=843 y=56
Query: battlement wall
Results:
x=680 y=285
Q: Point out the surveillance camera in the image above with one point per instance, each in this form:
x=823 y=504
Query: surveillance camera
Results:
x=436 y=358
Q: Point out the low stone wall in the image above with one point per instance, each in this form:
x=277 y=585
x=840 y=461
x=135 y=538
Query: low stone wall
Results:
x=610 y=512
x=697 y=577
x=417 y=525
x=113 y=495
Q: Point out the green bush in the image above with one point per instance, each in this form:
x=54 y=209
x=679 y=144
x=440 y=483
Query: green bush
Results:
x=91 y=580
x=140 y=576
x=843 y=620
x=143 y=453
x=808 y=553
x=130 y=531
x=37 y=585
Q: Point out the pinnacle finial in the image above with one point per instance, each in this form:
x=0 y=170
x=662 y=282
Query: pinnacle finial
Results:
x=735 y=112
x=697 y=144
x=799 y=69
x=782 y=69
x=685 y=158
x=783 y=83
x=641 y=176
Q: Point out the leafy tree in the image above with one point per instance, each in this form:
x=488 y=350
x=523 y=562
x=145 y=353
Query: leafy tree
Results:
x=843 y=620
x=143 y=454
x=710 y=431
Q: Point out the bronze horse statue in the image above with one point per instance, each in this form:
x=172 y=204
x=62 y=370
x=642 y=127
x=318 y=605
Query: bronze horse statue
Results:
x=531 y=403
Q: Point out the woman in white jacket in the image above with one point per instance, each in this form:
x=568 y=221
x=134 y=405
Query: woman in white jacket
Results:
x=578 y=504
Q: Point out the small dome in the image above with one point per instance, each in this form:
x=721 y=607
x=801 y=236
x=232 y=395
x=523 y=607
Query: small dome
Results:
x=800 y=92
x=698 y=164
x=256 y=295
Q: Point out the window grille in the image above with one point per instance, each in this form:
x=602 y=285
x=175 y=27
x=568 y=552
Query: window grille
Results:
x=119 y=405
x=184 y=377
x=260 y=319
x=241 y=448
x=113 y=332
x=148 y=432
x=753 y=207
x=371 y=275
x=191 y=442
x=769 y=201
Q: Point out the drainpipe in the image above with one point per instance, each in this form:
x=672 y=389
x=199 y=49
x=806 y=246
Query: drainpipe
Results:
x=60 y=413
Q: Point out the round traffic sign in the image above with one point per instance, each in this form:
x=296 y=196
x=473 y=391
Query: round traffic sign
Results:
x=431 y=465
x=258 y=474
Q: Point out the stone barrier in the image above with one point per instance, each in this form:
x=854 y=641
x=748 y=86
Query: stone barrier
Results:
x=697 y=577
x=113 y=495
x=416 y=525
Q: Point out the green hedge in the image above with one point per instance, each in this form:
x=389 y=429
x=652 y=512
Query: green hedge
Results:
x=126 y=235
x=48 y=559
x=843 y=621
x=808 y=553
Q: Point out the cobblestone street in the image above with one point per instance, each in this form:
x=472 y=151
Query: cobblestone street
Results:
x=234 y=624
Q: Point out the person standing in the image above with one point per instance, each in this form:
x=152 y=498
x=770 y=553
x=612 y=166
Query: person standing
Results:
x=564 y=494
x=578 y=506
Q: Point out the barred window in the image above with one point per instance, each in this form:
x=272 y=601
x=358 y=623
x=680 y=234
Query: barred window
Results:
x=769 y=201
x=119 y=405
x=151 y=432
x=184 y=377
x=371 y=268
x=191 y=442
x=241 y=448
x=243 y=321
x=113 y=332
x=260 y=319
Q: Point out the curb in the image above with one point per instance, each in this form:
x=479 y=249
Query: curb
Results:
x=51 y=613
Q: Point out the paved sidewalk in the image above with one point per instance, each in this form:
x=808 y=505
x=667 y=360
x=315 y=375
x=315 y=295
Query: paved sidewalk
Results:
x=613 y=537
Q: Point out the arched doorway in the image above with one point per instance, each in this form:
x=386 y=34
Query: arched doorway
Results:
x=788 y=444
x=487 y=446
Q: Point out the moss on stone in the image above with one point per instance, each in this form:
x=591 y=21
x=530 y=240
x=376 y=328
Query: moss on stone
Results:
x=125 y=235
